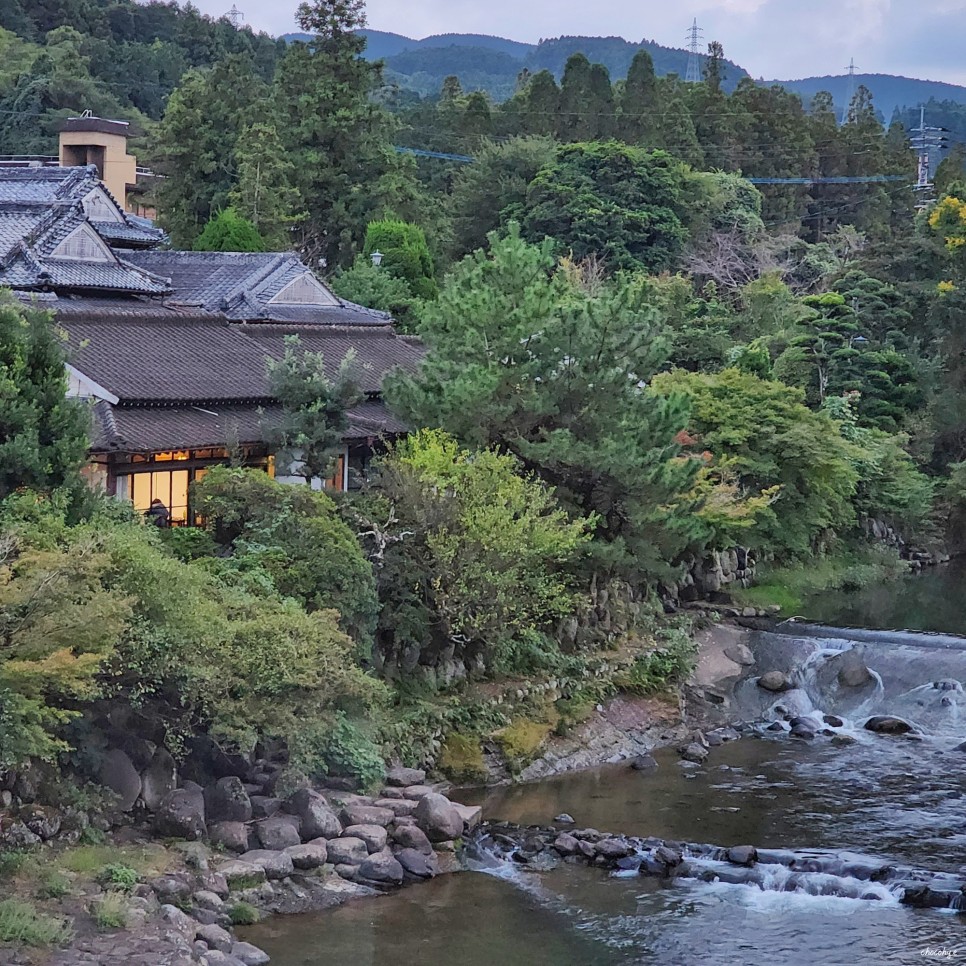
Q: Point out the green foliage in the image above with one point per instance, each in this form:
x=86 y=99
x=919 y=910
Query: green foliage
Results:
x=521 y=741
x=195 y=150
x=264 y=193
x=243 y=914
x=21 y=923
x=293 y=535
x=314 y=408
x=43 y=435
x=338 y=747
x=519 y=358
x=53 y=885
x=118 y=876
x=471 y=552
x=374 y=288
x=620 y=203
x=668 y=664
x=227 y=231
x=110 y=911
x=763 y=434
x=404 y=254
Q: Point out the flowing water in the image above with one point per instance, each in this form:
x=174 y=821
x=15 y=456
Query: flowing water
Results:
x=846 y=809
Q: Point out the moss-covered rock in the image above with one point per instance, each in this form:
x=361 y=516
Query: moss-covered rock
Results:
x=461 y=759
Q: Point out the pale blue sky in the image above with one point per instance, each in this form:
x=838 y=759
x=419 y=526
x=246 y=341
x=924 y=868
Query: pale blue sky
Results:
x=770 y=38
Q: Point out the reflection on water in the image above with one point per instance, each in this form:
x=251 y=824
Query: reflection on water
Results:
x=930 y=601
x=891 y=798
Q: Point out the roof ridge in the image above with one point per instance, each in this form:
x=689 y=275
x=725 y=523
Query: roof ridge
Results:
x=255 y=279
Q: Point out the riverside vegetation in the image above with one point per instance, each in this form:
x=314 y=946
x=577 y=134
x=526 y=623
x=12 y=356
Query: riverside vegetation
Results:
x=645 y=383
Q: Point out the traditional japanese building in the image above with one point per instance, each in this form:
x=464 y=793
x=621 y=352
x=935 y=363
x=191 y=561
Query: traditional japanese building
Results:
x=172 y=347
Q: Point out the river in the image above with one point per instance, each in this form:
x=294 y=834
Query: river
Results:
x=897 y=800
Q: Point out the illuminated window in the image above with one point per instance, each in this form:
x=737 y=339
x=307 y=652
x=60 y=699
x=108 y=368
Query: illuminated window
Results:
x=168 y=486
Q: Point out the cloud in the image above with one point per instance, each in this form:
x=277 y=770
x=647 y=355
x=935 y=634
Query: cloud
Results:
x=769 y=38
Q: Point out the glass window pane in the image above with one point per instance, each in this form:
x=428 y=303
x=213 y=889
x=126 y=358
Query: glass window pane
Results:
x=179 y=496
x=141 y=490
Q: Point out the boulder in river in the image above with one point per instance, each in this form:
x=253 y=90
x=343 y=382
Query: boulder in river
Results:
x=227 y=801
x=885 y=724
x=316 y=819
x=436 y=816
x=774 y=681
x=853 y=672
x=644 y=763
x=742 y=855
x=694 y=752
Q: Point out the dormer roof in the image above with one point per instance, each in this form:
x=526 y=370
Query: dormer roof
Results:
x=253 y=287
x=57 y=226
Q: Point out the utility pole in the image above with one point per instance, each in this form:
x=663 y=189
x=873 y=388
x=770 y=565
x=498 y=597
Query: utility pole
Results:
x=927 y=143
x=693 y=38
x=235 y=16
x=849 y=90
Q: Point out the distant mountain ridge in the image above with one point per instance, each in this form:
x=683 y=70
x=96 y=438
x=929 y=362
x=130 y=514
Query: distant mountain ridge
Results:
x=489 y=63
x=890 y=92
x=484 y=62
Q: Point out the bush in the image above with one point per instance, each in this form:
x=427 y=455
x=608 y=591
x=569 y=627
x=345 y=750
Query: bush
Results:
x=670 y=662
x=117 y=876
x=242 y=914
x=20 y=922
x=337 y=747
x=295 y=535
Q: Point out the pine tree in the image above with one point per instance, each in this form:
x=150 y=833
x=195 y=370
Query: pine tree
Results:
x=637 y=122
x=264 y=193
x=336 y=133
x=314 y=409
x=521 y=360
x=196 y=144
x=43 y=434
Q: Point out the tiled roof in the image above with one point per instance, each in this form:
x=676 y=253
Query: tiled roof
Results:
x=40 y=208
x=168 y=359
x=243 y=284
x=155 y=354
x=376 y=350
x=135 y=429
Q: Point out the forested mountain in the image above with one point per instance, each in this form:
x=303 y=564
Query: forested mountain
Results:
x=890 y=91
x=493 y=64
x=117 y=58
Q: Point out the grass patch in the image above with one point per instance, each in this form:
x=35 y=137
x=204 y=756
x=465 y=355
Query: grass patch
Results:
x=672 y=660
x=110 y=911
x=573 y=711
x=53 y=885
x=11 y=863
x=21 y=923
x=243 y=914
x=94 y=861
x=791 y=586
x=461 y=759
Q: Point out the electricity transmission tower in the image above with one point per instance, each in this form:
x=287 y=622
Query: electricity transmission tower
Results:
x=693 y=38
x=235 y=16
x=849 y=90
x=927 y=143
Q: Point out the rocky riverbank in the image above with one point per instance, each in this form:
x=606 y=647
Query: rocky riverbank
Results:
x=246 y=855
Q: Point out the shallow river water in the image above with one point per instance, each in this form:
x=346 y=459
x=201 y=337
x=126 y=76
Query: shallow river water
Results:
x=894 y=799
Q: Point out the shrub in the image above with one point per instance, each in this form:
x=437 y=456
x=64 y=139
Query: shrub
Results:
x=671 y=661
x=461 y=759
x=294 y=534
x=339 y=747
x=117 y=876
x=242 y=914
x=20 y=922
